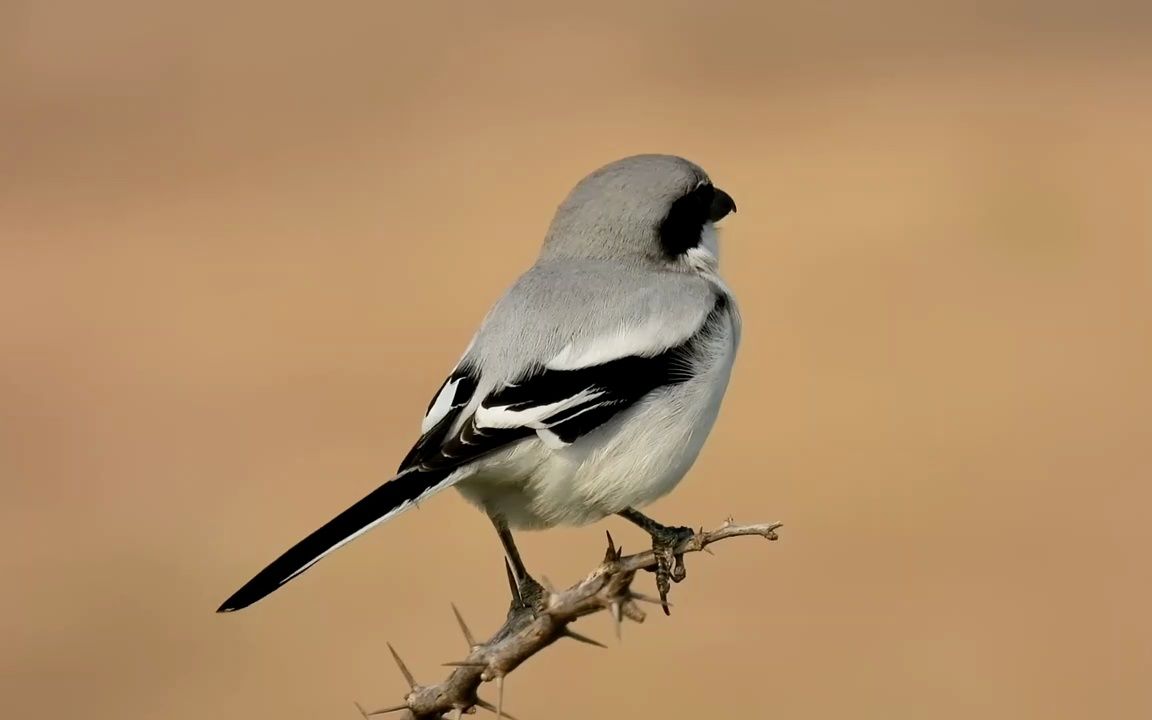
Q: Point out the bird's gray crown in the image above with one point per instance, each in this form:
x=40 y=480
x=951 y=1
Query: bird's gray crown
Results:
x=649 y=207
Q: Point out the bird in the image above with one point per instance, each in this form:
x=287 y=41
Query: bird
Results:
x=590 y=386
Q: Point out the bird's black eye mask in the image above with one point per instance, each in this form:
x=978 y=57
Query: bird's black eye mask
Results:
x=681 y=229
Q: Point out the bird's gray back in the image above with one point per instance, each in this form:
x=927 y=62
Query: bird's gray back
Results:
x=574 y=303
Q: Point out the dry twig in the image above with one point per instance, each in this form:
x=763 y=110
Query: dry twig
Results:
x=527 y=631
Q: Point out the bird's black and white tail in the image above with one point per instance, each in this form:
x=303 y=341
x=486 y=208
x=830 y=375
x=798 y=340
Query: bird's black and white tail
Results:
x=386 y=501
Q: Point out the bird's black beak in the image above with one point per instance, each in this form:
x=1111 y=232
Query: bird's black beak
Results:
x=722 y=204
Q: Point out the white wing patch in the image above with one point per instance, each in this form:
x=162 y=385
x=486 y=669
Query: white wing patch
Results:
x=502 y=416
x=440 y=406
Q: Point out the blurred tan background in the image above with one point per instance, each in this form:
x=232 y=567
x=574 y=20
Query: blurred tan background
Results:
x=240 y=244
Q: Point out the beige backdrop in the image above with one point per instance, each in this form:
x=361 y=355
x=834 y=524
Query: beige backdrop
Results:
x=241 y=244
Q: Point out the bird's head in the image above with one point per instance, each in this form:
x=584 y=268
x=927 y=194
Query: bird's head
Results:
x=654 y=208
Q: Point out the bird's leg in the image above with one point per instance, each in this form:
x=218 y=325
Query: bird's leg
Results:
x=527 y=594
x=665 y=540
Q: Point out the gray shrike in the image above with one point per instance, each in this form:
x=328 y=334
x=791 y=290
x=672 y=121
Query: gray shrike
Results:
x=590 y=386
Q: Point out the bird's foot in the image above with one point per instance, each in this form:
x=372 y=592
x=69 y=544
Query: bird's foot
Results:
x=669 y=563
x=528 y=595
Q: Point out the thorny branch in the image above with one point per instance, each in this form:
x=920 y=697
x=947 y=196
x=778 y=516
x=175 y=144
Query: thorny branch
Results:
x=531 y=628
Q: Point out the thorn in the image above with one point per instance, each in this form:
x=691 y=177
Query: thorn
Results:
x=552 y=598
x=632 y=611
x=612 y=555
x=616 y=614
x=700 y=535
x=381 y=711
x=500 y=697
x=403 y=668
x=512 y=584
x=481 y=702
x=633 y=595
x=457 y=713
x=464 y=627
x=361 y=709
x=569 y=633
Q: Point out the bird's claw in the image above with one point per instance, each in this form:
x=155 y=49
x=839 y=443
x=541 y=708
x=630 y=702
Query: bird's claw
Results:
x=669 y=563
x=528 y=596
